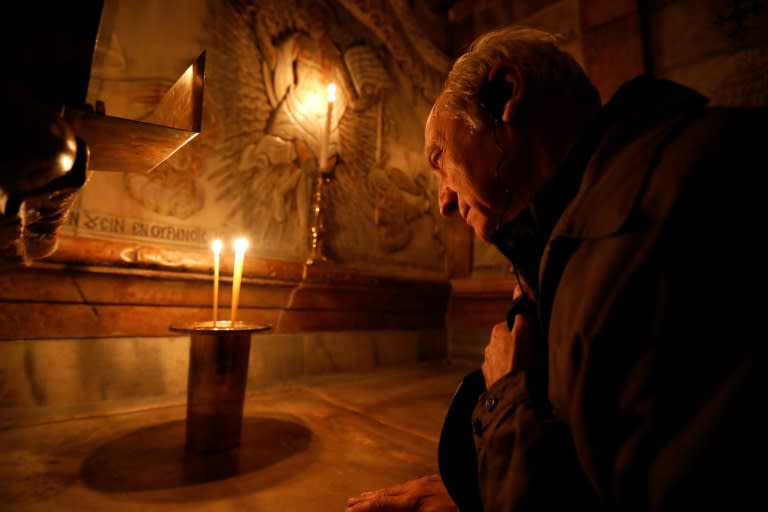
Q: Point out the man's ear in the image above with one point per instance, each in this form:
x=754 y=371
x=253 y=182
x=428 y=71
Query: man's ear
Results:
x=507 y=79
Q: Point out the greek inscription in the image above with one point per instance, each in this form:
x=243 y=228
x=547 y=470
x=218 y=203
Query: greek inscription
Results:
x=169 y=233
x=105 y=223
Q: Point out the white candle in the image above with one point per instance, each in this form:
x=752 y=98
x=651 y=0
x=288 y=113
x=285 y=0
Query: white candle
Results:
x=216 y=246
x=241 y=244
x=325 y=142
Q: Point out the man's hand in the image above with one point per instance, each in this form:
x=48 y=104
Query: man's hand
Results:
x=426 y=494
x=511 y=350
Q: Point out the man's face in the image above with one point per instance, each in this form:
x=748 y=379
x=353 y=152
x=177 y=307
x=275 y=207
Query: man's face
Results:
x=466 y=166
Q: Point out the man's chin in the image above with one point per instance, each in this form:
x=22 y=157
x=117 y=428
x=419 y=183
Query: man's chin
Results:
x=480 y=225
x=483 y=233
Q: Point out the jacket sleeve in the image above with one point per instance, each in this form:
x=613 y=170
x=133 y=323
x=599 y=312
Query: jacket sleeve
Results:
x=526 y=459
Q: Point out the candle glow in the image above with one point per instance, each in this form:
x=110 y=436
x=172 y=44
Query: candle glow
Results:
x=241 y=244
x=325 y=140
x=216 y=247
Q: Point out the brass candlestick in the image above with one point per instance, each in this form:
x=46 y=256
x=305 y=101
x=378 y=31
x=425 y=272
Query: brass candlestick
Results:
x=218 y=374
x=317 y=213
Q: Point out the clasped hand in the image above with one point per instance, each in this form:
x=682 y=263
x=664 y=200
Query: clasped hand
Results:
x=507 y=350
x=510 y=350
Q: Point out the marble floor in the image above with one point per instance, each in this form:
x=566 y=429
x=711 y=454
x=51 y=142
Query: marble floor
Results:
x=307 y=445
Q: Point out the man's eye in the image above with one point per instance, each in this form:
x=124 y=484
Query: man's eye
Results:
x=436 y=159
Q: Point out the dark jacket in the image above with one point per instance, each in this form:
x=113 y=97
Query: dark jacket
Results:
x=650 y=299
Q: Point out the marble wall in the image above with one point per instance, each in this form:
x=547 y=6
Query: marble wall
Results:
x=64 y=375
x=719 y=47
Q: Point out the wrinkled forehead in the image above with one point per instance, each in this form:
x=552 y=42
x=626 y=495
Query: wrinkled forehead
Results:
x=432 y=127
x=434 y=110
x=437 y=114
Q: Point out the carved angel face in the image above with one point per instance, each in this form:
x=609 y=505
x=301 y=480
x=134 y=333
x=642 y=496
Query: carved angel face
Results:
x=318 y=19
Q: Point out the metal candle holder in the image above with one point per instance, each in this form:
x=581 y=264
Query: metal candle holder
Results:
x=317 y=212
x=218 y=373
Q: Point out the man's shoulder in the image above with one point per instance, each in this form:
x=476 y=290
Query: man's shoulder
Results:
x=691 y=151
x=674 y=129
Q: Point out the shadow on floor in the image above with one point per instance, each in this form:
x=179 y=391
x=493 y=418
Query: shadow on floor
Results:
x=154 y=459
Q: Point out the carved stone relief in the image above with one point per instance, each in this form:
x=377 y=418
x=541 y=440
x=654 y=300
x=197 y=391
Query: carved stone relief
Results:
x=718 y=47
x=379 y=197
x=251 y=169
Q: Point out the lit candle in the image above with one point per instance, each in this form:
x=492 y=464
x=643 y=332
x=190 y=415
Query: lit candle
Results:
x=326 y=139
x=216 y=246
x=241 y=244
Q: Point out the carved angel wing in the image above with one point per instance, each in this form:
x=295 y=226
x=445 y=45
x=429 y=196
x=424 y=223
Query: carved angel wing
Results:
x=415 y=55
x=360 y=147
x=361 y=130
x=236 y=92
x=259 y=174
x=366 y=185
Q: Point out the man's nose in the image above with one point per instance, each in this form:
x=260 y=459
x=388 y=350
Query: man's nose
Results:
x=448 y=200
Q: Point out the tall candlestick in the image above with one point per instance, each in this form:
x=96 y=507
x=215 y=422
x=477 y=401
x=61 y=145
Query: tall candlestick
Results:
x=241 y=244
x=216 y=246
x=325 y=141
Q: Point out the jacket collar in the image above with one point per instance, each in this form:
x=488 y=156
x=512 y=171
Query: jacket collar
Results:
x=620 y=135
x=624 y=136
x=612 y=162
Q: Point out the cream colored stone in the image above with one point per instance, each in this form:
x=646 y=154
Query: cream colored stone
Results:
x=338 y=351
x=685 y=32
x=275 y=357
x=77 y=373
x=740 y=78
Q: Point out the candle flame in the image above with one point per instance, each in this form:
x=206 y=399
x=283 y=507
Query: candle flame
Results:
x=241 y=244
x=216 y=246
x=331 y=92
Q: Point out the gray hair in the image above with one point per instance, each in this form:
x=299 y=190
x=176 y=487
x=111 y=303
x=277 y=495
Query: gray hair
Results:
x=548 y=69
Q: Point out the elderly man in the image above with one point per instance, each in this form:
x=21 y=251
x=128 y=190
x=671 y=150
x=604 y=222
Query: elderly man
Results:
x=633 y=379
